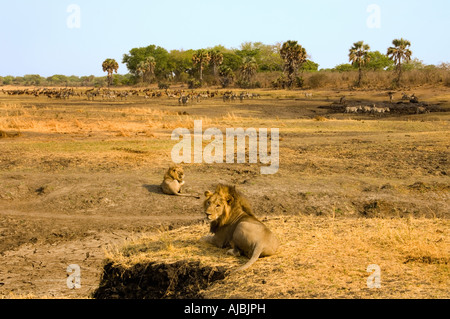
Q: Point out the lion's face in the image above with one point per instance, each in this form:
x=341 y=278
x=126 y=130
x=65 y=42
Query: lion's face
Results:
x=216 y=205
x=177 y=173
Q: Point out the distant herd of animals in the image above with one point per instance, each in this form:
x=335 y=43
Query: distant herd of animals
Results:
x=408 y=104
x=184 y=97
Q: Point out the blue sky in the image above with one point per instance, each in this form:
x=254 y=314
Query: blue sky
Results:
x=35 y=37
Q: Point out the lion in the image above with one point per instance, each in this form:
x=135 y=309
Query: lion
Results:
x=234 y=225
x=173 y=181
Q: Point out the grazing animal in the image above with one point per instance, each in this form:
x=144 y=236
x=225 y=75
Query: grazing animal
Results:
x=378 y=110
x=367 y=109
x=406 y=96
x=173 y=181
x=352 y=109
x=414 y=99
x=242 y=96
x=183 y=100
x=234 y=225
x=422 y=110
x=391 y=96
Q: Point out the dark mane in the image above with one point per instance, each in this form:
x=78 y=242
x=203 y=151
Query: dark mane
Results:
x=239 y=200
x=240 y=208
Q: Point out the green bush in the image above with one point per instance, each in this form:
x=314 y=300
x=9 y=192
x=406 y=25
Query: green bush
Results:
x=194 y=84
x=280 y=82
x=163 y=85
x=299 y=81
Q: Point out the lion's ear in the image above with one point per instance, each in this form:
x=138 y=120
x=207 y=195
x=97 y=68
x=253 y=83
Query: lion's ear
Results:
x=229 y=199
x=208 y=194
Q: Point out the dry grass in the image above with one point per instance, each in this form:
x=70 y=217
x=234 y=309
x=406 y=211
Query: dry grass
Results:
x=122 y=122
x=319 y=258
x=334 y=165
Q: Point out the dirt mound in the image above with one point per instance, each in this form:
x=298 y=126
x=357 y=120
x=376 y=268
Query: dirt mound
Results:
x=179 y=280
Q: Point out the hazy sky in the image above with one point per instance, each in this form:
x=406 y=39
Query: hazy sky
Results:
x=74 y=37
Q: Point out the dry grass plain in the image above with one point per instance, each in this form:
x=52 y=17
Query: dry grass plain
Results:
x=79 y=182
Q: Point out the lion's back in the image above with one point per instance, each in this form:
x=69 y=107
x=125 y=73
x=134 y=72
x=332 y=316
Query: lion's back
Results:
x=250 y=232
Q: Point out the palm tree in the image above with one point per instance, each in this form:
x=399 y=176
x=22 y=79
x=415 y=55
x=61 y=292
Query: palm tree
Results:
x=359 y=55
x=201 y=58
x=216 y=59
x=248 y=68
x=226 y=75
x=110 y=66
x=146 y=68
x=399 y=53
x=294 y=55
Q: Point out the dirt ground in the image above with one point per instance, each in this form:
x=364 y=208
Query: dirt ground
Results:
x=79 y=176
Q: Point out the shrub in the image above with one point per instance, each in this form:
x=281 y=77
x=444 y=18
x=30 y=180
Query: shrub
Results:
x=299 y=81
x=280 y=82
x=163 y=85
x=318 y=80
x=194 y=84
x=243 y=84
x=447 y=81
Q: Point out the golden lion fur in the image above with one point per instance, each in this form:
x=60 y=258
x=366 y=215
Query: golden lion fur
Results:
x=234 y=225
x=173 y=181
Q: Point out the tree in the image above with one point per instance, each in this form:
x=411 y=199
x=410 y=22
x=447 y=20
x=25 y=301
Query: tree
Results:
x=248 y=68
x=232 y=60
x=146 y=68
x=309 y=66
x=216 y=59
x=110 y=66
x=414 y=64
x=137 y=55
x=180 y=64
x=32 y=79
x=226 y=76
x=293 y=55
x=7 y=80
x=359 y=56
x=378 y=62
x=267 y=56
x=345 y=67
x=201 y=58
x=57 y=79
x=399 y=53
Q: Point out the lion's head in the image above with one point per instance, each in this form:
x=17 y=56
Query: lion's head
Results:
x=175 y=172
x=234 y=224
x=224 y=203
x=218 y=203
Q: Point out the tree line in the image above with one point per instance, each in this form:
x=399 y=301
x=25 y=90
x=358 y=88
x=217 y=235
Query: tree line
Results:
x=286 y=64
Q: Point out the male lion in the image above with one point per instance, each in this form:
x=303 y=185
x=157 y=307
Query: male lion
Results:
x=234 y=224
x=173 y=180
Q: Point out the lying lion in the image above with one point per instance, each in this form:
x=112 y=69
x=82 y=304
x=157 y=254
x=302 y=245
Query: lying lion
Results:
x=234 y=224
x=173 y=180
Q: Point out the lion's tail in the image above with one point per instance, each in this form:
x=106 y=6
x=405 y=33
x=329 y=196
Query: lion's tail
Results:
x=256 y=253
